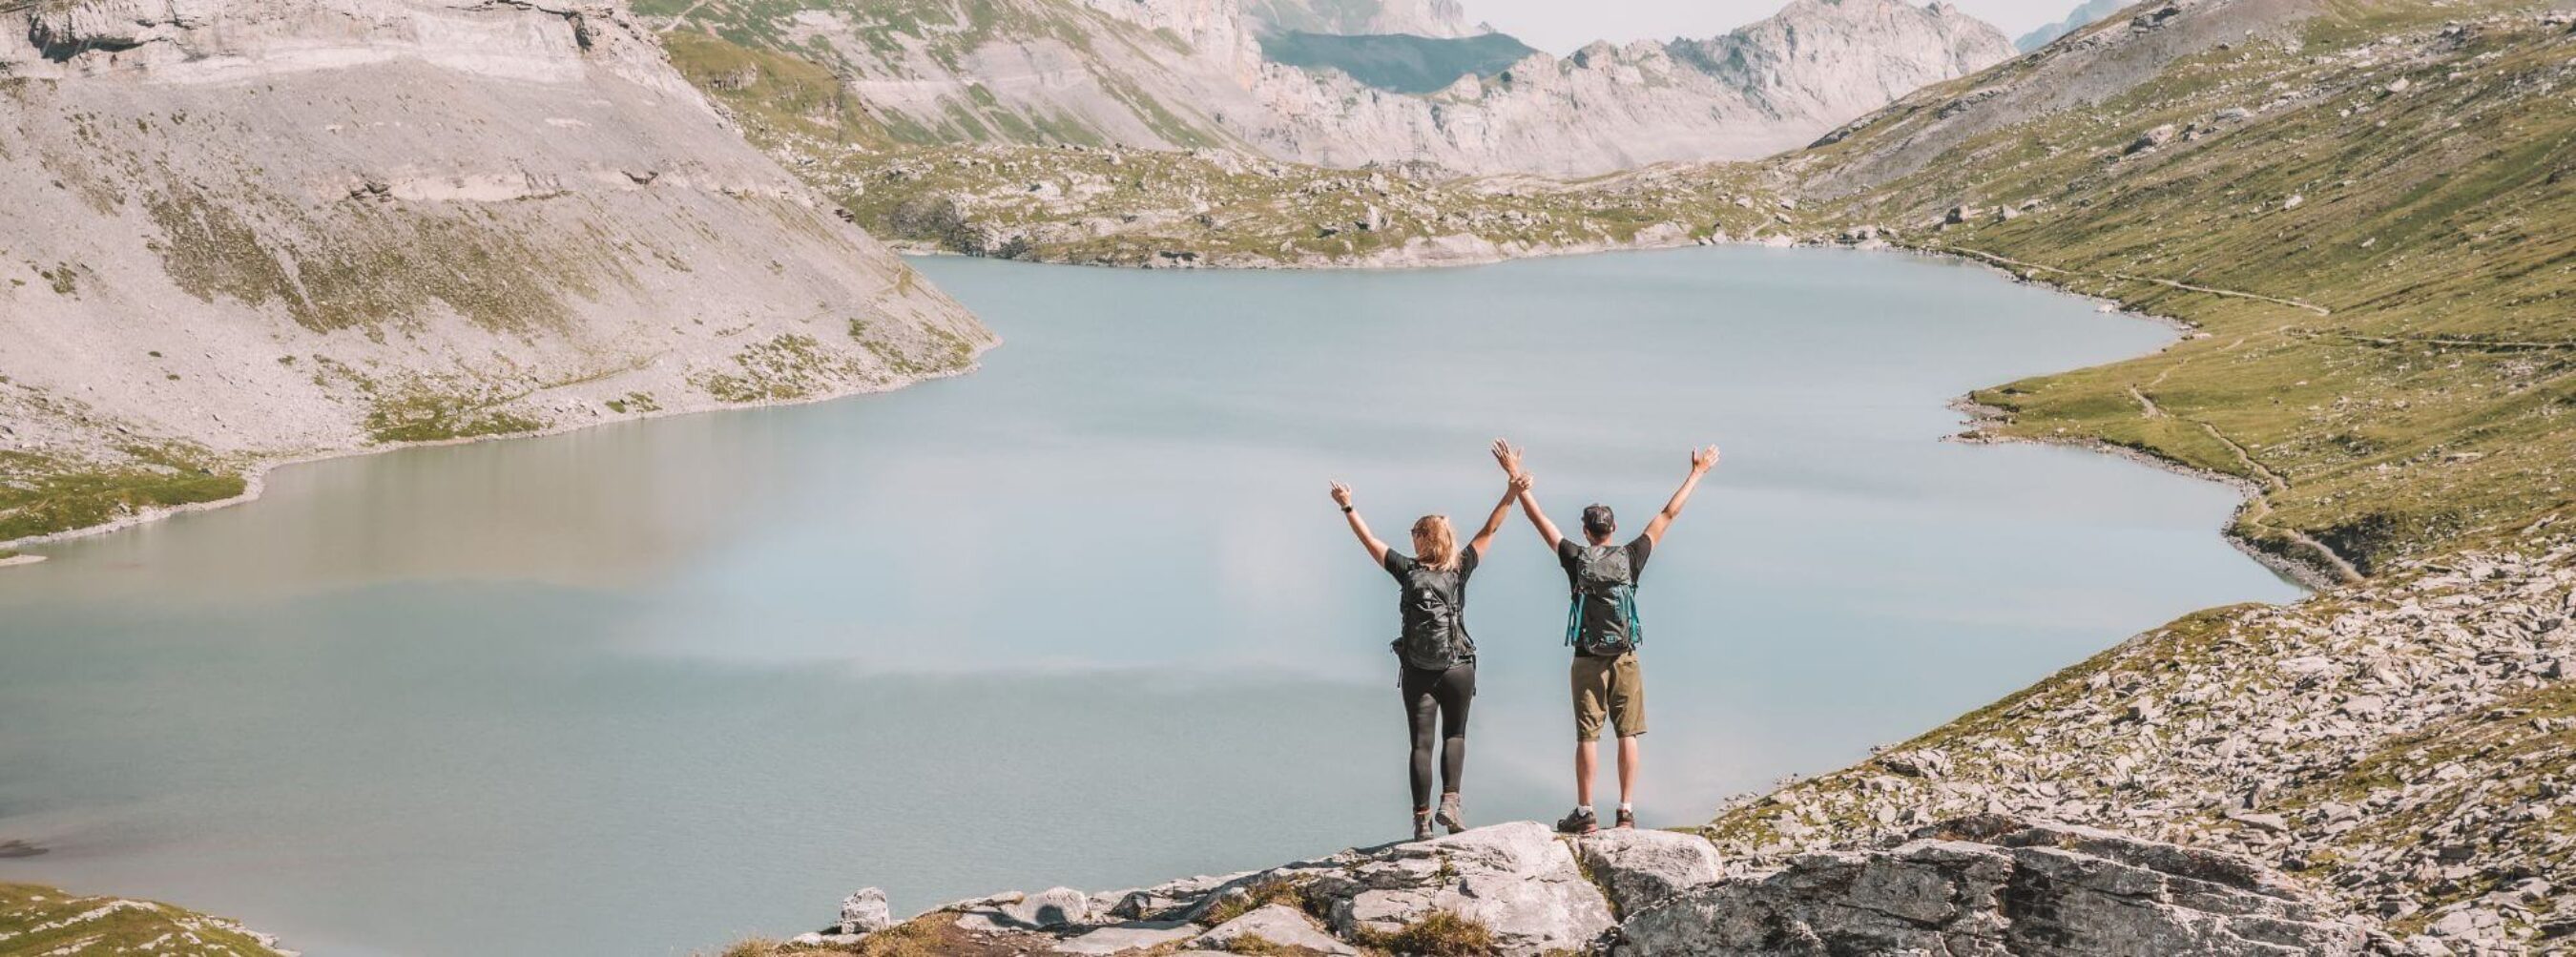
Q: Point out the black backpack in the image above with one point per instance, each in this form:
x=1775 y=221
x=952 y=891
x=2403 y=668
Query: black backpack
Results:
x=1435 y=633
x=1605 y=592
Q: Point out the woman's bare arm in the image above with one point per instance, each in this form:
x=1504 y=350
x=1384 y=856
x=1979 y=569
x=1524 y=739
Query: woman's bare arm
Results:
x=1494 y=523
x=1521 y=483
x=1359 y=526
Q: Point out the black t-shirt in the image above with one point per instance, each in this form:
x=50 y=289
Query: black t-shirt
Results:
x=1598 y=623
x=1402 y=567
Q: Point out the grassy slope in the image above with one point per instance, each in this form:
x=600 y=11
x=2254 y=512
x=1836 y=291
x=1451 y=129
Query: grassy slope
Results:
x=43 y=921
x=2432 y=223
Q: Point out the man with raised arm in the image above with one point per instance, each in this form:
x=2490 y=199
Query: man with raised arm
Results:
x=1602 y=627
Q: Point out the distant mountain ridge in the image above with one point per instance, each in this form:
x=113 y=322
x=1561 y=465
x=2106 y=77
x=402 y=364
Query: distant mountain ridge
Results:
x=1397 y=62
x=1421 y=18
x=2093 y=11
x=1180 y=74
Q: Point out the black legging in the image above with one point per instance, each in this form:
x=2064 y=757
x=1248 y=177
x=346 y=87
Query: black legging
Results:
x=1441 y=695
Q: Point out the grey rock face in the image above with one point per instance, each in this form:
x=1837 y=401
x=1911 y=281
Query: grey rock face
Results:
x=1985 y=885
x=1276 y=924
x=1992 y=885
x=1640 y=868
x=1120 y=938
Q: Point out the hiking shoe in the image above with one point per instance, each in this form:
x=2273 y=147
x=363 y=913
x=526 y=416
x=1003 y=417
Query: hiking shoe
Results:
x=1450 y=816
x=1627 y=819
x=1581 y=821
x=1422 y=825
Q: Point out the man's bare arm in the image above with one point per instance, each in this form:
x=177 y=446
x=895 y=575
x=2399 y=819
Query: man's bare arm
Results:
x=1359 y=526
x=1701 y=461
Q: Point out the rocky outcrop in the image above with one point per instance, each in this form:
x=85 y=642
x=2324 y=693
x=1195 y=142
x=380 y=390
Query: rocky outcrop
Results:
x=1982 y=885
x=1997 y=886
x=236 y=232
x=1104 y=72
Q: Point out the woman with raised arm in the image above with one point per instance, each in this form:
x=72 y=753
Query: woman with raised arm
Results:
x=1436 y=659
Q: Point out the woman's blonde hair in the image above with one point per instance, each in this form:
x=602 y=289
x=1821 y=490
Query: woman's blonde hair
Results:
x=1434 y=545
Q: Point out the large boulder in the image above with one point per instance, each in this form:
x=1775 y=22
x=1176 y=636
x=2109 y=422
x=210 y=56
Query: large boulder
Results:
x=1640 y=868
x=865 y=912
x=1518 y=880
x=1995 y=886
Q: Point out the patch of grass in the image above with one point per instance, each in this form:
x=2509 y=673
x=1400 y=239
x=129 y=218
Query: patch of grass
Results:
x=429 y=416
x=66 y=500
x=773 y=90
x=1255 y=897
x=41 y=920
x=1439 y=934
x=787 y=367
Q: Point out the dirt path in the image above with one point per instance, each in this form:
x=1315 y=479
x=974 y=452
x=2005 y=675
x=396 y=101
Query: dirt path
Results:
x=2168 y=283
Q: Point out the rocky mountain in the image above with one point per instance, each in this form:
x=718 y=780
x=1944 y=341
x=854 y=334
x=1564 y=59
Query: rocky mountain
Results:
x=1421 y=18
x=2091 y=12
x=242 y=232
x=1821 y=59
x=1977 y=885
x=1180 y=74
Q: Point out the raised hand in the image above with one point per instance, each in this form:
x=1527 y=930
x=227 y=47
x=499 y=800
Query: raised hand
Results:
x=1507 y=456
x=1703 y=459
x=1341 y=495
x=1521 y=482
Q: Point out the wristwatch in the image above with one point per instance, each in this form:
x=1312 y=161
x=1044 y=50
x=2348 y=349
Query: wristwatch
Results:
x=1346 y=509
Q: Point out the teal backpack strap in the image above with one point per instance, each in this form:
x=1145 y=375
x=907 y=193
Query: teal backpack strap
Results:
x=1573 y=618
x=1636 y=628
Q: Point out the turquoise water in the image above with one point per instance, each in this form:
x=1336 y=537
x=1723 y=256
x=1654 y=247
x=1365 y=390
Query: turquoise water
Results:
x=1086 y=616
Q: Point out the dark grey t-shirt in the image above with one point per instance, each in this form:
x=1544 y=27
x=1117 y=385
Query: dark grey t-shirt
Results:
x=1601 y=621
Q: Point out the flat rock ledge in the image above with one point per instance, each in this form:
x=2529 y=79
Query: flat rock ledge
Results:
x=1985 y=885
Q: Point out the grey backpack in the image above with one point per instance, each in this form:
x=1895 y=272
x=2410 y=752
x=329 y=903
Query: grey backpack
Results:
x=1605 y=598
x=1435 y=633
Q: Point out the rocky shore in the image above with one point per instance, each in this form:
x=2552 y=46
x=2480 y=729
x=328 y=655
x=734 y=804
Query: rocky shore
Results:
x=2405 y=746
x=1976 y=885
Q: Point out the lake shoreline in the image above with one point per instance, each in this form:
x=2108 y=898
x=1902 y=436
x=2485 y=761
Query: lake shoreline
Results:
x=255 y=473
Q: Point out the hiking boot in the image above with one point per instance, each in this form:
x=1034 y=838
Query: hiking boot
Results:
x=1581 y=821
x=1627 y=819
x=1450 y=816
x=1422 y=825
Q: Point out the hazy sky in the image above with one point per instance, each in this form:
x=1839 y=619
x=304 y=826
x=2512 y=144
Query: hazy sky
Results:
x=1559 y=26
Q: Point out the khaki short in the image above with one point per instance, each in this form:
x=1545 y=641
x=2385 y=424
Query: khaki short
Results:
x=1613 y=688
